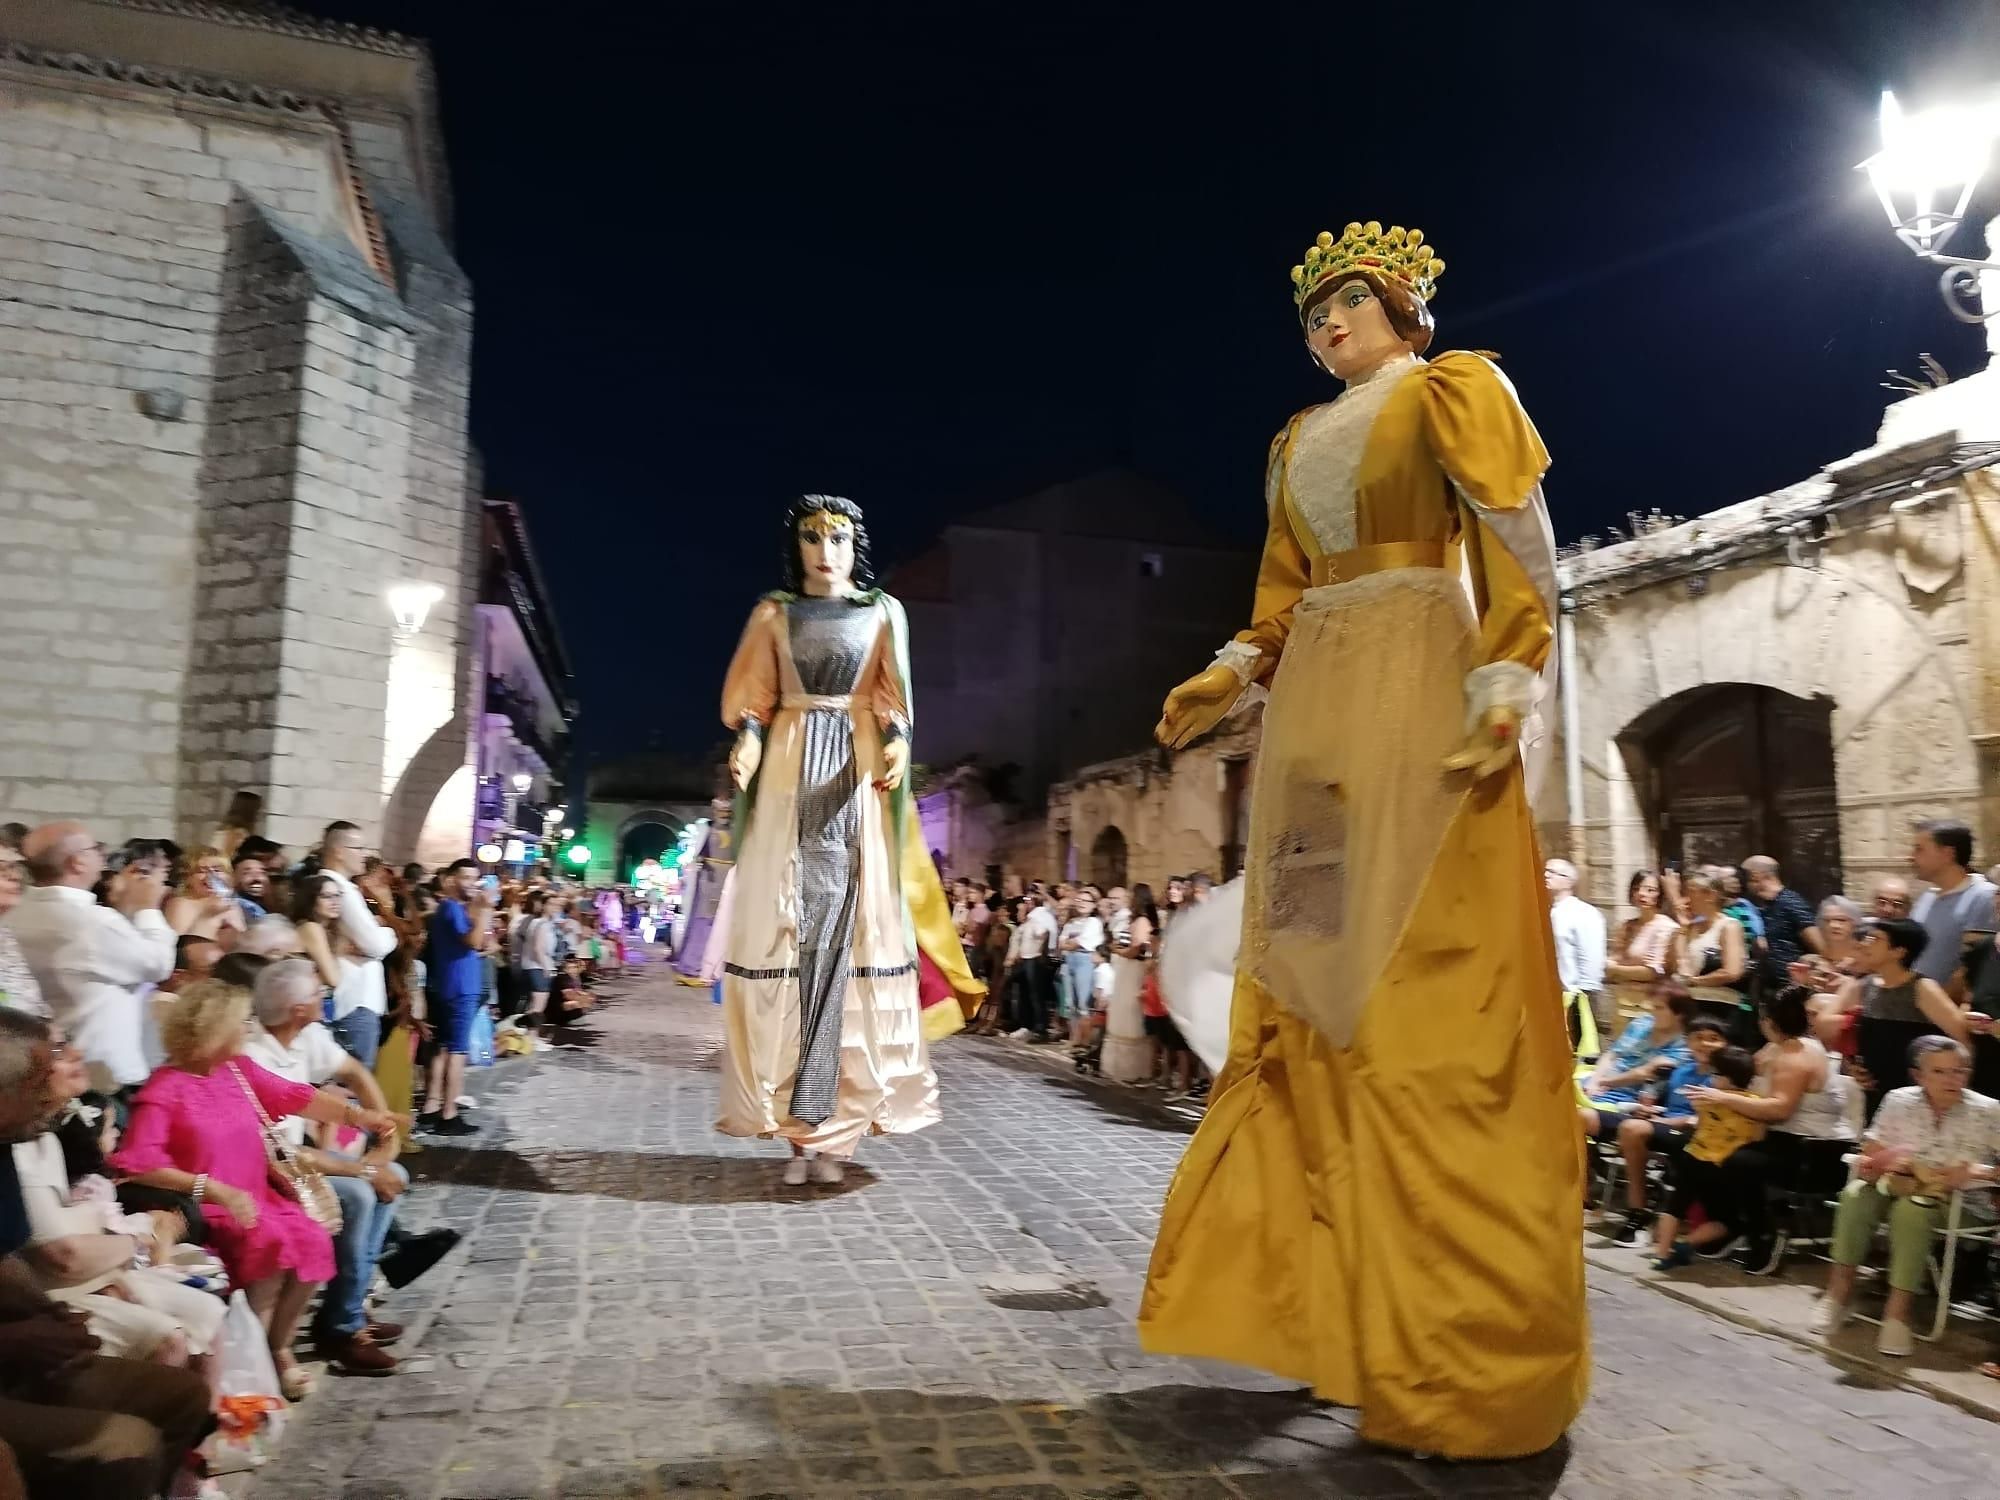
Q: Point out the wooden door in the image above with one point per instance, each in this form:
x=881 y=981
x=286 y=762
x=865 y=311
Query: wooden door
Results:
x=1741 y=770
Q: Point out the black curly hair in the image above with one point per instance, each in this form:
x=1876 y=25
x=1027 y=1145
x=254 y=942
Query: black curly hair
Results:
x=811 y=505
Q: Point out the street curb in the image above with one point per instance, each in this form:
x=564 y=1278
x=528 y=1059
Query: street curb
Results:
x=1899 y=1375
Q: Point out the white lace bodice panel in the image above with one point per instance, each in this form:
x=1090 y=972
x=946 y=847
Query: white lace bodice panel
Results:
x=1326 y=454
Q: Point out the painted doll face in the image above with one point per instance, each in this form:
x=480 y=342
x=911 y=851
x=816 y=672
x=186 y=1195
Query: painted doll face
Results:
x=826 y=547
x=1350 y=333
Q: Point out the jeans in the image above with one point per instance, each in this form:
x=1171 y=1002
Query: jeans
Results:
x=364 y=1226
x=359 y=1033
x=1035 y=993
x=1862 y=1206
x=1079 y=977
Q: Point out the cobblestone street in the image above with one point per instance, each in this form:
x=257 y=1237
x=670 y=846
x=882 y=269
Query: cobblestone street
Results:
x=641 y=1309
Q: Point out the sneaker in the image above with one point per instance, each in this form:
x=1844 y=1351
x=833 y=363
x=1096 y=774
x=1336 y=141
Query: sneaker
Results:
x=416 y=1254
x=1674 y=1259
x=1021 y=1035
x=1896 y=1340
x=1763 y=1257
x=1627 y=1229
x=828 y=1170
x=455 y=1125
x=1720 y=1250
x=1828 y=1316
x=796 y=1171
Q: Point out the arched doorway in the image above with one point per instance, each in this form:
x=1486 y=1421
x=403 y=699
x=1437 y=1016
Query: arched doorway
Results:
x=1107 y=857
x=1734 y=769
x=642 y=841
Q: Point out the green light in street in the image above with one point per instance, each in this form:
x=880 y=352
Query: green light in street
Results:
x=578 y=855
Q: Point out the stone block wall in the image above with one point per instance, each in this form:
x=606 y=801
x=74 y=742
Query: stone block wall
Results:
x=197 y=597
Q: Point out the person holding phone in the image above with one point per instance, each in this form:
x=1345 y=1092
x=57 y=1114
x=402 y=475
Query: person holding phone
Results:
x=205 y=904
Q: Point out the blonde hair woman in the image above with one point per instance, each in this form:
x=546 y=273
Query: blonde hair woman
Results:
x=197 y=1130
x=205 y=904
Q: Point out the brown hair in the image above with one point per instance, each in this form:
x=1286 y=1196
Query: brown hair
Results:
x=1408 y=313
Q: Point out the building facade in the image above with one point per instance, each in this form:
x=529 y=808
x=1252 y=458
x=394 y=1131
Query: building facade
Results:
x=525 y=707
x=1044 y=633
x=233 y=386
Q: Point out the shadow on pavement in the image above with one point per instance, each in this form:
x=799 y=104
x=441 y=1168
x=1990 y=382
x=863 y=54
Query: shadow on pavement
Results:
x=793 y=1440
x=638 y=1176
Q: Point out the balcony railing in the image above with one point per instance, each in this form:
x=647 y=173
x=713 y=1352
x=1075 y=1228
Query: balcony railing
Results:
x=519 y=710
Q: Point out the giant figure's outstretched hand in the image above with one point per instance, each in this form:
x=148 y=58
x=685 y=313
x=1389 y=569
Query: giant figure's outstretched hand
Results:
x=1492 y=747
x=1197 y=706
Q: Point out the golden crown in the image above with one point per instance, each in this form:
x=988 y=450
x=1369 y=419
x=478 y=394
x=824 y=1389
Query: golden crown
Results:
x=1395 y=251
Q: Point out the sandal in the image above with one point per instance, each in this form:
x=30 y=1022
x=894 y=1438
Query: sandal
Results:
x=295 y=1382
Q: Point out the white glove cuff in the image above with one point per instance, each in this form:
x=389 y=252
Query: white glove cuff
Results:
x=1500 y=684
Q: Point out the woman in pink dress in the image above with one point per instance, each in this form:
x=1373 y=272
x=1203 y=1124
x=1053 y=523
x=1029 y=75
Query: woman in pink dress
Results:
x=195 y=1131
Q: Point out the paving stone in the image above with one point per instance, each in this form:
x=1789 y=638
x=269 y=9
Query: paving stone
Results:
x=643 y=1310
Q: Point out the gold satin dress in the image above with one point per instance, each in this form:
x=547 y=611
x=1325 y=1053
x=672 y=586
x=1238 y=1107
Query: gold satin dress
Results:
x=1384 y=1200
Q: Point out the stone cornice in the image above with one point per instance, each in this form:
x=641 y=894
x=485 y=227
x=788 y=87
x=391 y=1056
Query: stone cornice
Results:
x=173 y=80
x=281 y=19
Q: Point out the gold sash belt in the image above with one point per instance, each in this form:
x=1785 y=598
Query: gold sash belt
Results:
x=824 y=700
x=1345 y=567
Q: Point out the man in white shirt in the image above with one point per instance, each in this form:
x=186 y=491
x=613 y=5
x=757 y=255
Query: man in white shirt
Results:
x=94 y=964
x=1580 y=948
x=363 y=995
x=1035 y=995
x=1117 y=914
x=288 y=1040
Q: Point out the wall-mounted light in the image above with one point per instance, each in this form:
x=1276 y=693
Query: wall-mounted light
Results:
x=489 y=854
x=522 y=781
x=411 y=603
x=516 y=852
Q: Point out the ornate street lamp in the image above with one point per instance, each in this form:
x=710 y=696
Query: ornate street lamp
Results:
x=1927 y=161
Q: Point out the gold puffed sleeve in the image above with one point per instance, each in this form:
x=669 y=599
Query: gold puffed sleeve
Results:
x=1487 y=447
x=750 y=691
x=1282 y=574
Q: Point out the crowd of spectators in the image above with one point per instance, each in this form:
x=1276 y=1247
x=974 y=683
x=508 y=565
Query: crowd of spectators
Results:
x=1071 y=964
x=212 y=1063
x=1763 y=1057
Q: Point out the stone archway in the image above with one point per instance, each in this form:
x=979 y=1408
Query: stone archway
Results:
x=1847 y=637
x=1108 y=857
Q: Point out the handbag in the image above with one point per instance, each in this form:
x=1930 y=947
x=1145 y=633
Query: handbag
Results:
x=308 y=1186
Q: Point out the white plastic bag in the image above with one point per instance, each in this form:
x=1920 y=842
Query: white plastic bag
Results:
x=250 y=1406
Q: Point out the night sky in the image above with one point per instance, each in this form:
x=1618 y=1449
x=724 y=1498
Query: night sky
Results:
x=933 y=257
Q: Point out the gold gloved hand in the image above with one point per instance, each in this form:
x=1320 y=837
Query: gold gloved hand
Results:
x=1493 y=746
x=1197 y=706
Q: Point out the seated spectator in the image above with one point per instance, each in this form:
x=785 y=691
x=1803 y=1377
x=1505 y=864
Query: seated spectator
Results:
x=1810 y=1111
x=1699 y=1175
x=1646 y=1052
x=87 y=1252
x=288 y=1042
x=271 y=937
x=18 y=988
x=1928 y=1140
x=74 y=1422
x=1896 y=1004
x=197 y=1129
x=570 y=999
x=205 y=904
x=1663 y=1120
x=194 y=958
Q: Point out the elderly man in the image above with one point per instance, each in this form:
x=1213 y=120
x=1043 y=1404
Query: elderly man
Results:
x=78 y=1423
x=1580 y=947
x=288 y=1040
x=1791 y=928
x=363 y=995
x=270 y=937
x=95 y=964
x=1890 y=900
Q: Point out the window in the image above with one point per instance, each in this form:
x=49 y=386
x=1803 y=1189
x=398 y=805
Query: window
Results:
x=1152 y=565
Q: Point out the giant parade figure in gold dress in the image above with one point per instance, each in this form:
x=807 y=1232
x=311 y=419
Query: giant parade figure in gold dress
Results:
x=833 y=895
x=1384 y=1200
